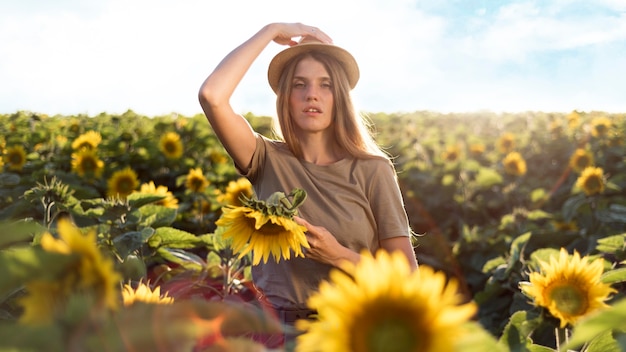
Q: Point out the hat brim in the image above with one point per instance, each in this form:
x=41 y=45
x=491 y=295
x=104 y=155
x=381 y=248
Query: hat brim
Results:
x=345 y=59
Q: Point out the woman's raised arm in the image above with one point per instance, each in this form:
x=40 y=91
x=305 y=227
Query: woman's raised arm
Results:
x=234 y=132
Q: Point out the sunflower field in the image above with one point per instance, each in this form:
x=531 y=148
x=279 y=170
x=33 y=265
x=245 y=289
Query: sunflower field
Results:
x=109 y=241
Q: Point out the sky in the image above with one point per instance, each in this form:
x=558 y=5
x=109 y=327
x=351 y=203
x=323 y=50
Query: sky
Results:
x=151 y=56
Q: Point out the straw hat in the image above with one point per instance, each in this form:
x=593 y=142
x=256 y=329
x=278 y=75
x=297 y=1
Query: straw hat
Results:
x=347 y=61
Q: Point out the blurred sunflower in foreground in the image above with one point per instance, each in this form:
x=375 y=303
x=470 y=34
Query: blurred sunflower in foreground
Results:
x=87 y=140
x=15 y=157
x=169 y=200
x=143 y=293
x=122 y=183
x=171 y=146
x=265 y=227
x=234 y=192
x=591 y=181
x=86 y=163
x=380 y=305
x=92 y=273
x=568 y=287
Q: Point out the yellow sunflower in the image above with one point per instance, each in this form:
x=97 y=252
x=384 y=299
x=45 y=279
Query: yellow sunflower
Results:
x=591 y=181
x=93 y=273
x=265 y=227
x=122 y=183
x=85 y=163
x=451 y=154
x=570 y=287
x=580 y=160
x=234 y=192
x=15 y=157
x=573 y=119
x=170 y=201
x=88 y=140
x=506 y=143
x=514 y=164
x=143 y=293
x=600 y=126
x=399 y=310
x=477 y=149
x=171 y=146
x=196 y=182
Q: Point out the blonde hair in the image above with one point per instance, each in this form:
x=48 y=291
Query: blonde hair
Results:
x=353 y=131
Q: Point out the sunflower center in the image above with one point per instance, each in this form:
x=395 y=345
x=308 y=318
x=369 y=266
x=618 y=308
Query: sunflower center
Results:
x=569 y=300
x=170 y=147
x=583 y=162
x=269 y=228
x=88 y=164
x=393 y=335
x=15 y=158
x=593 y=183
x=125 y=185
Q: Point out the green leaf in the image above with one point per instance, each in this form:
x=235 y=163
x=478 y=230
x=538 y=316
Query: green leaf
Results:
x=137 y=199
x=615 y=213
x=129 y=242
x=488 y=177
x=173 y=238
x=603 y=343
x=517 y=331
x=516 y=249
x=612 y=244
x=607 y=320
x=614 y=276
x=538 y=215
x=156 y=215
x=19 y=231
x=571 y=205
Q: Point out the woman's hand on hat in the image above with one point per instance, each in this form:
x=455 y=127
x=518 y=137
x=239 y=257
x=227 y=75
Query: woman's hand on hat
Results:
x=285 y=32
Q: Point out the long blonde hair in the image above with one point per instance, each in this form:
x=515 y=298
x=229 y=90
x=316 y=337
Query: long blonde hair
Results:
x=353 y=131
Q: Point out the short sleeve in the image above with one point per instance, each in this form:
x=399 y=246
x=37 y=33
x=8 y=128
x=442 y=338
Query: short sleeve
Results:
x=387 y=203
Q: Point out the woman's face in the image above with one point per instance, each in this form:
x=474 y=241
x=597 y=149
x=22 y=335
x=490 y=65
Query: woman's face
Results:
x=311 y=98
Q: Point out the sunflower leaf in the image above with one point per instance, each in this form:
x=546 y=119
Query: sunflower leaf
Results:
x=614 y=276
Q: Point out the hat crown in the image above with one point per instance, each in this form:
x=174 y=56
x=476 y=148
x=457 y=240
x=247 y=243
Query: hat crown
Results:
x=311 y=44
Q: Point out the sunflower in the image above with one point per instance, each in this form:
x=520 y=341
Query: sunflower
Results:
x=580 y=160
x=591 y=180
x=234 y=192
x=171 y=145
x=122 y=183
x=514 y=164
x=92 y=273
x=399 y=310
x=15 y=157
x=451 y=154
x=88 y=140
x=506 y=142
x=600 y=126
x=570 y=287
x=265 y=227
x=477 y=149
x=86 y=163
x=143 y=293
x=196 y=182
x=150 y=188
x=573 y=119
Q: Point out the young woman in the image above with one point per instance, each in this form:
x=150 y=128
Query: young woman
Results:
x=353 y=199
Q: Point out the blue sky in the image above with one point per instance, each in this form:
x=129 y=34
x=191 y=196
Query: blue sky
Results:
x=88 y=57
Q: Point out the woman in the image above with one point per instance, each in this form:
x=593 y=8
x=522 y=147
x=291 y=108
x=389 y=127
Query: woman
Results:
x=353 y=199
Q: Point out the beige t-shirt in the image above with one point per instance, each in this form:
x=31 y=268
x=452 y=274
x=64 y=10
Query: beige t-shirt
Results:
x=357 y=200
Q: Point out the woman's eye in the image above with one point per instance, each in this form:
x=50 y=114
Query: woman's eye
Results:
x=298 y=85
